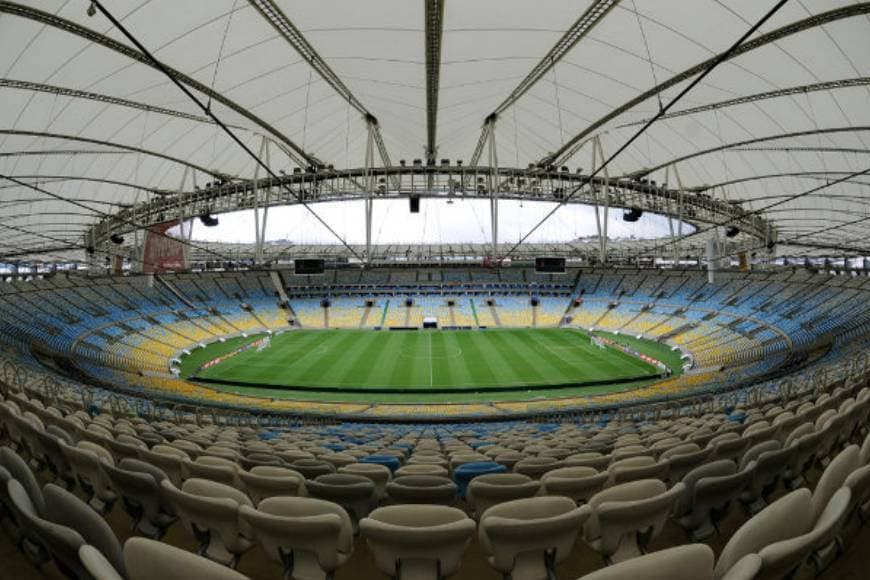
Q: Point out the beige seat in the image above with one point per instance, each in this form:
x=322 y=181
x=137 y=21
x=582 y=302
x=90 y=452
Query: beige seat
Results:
x=636 y=468
x=85 y=460
x=788 y=517
x=578 y=483
x=150 y=560
x=781 y=559
x=535 y=467
x=310 y=537
x=525 y=539
x=627 y=516
x=833 y=479
x=169 y=459
x=417 y=542
x=355 y=493
x=379 y=474
x=210 y=512
x=591 y=459
x=859 y=483
x=485 y=491
x=684 y=458
x=421 y=469
x=265 y=481
x=213 y=468
x=691 y=562
x=422 y=489
x=709 y=492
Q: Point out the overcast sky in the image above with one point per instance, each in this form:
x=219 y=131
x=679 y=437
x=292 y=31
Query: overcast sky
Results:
x=438 y=222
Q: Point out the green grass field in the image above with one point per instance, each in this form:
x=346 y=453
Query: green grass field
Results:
x=414 y=366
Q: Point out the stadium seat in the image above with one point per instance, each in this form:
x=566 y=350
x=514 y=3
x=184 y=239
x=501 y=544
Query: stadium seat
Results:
x=708 y=494
x=780 y=559
x=468 y=471
x=65 y=509
x=624 y=518
x=526 y=539
x=355 y=493
x=265 y=481
x=86 y=460
x=691 y=562
x=138 y=484
x=578 y=483
x=416 y=541
x=487 y=490
x=421 y=489
x=147 y=559
x=788 y=517
x=210 y=512
x=309 y=537
x=378 y=473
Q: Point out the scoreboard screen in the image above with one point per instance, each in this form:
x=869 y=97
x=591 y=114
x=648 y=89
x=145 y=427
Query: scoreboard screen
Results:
x=550 y=265
x=309 y=266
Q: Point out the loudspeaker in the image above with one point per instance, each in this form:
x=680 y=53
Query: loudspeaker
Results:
x=370 y=303
x=325 y=303
x=415 y=203
x=117 y=239
x=632 y=215
x=535 y=301
x=731 y=231
x=208 y=220
x=409 y=302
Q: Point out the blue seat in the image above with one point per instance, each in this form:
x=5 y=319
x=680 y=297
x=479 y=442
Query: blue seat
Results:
x=392 y=462
x=468 y=471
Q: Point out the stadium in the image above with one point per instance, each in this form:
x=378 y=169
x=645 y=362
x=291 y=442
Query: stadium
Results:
x=427 y=290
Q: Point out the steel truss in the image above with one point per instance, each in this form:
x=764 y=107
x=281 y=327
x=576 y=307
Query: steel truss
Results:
x=571 y=147
x=446 y=182
x=299 y=156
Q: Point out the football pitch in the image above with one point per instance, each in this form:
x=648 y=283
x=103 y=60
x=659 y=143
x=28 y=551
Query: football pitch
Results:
x=413 y=366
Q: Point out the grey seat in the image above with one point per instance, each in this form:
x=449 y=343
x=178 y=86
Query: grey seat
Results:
x=422 y=489
x=709 y=493
x=138 y=485
x=525 y=539
x=310 y=537
x=312 y=468
x=692 y=562
x=210 y=512
x=788 y=517
x=65 y=509
x=58 y=542
x=485 y=491
x=770 y=462
x=147 y=560
x=355 y=493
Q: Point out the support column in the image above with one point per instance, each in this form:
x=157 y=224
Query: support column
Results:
x=260 y=225
x=493 y=190
x=369 y=186
x=600 y=224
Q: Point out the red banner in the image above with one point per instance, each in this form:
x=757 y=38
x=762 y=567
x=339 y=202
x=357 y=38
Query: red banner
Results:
x=162 y=252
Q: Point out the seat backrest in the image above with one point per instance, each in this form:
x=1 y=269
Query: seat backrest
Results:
x=833 y=478
x=781 y=558
x=715 y=469
x=318 y=528
x=148 y=559
x=417 y=541
x=788 y=517
x=65 y=509
x=691 y=562
x=518 y=533
x=62 y=542
x=617 y=518
x=19 y=470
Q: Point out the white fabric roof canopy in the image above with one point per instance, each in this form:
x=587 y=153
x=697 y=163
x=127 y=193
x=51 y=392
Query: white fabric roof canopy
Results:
x=88 y=123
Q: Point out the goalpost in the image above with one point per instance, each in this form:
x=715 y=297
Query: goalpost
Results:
x=264 y=344
x=597 y=341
